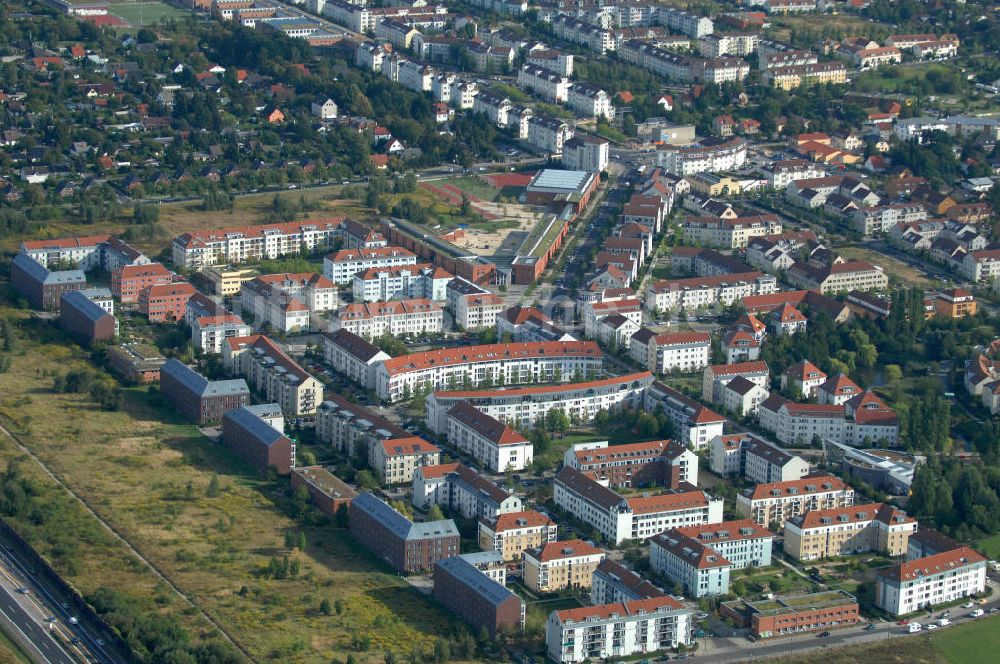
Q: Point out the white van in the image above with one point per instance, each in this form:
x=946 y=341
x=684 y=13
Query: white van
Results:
x=976 y=613
x=943 y=622
x=914 y=627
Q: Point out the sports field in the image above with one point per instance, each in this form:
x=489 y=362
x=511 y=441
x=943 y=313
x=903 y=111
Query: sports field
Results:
x=138 y=14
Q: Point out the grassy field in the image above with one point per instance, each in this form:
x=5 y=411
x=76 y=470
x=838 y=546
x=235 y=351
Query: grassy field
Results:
x=146 y=473
x=892 y=266
x=10 y=653
x=990 y=547
x=970 y=643
x=146 y=13
x=896 y=651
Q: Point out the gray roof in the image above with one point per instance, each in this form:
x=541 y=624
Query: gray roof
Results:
x=399 y=524
x=96 y=293
x=197 y=383
x=474 y=580
x=265 y=410
x=83 y=305
x=253 y=425
x=43 y=275
x=482 y=558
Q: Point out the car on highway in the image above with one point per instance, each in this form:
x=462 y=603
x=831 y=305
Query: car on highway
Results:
x=914 y=628
x=22 y=590
x=73 y=620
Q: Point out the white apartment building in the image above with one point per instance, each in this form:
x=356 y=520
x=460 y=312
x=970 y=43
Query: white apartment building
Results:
x=573 y=636
x=502 y=364
x=555 y=61
x=701 y=571
x=779 y=174
x=285 y=301
x=713 y=155
x=416 y=76
x=341 y=267
x=396 y=318
x=478 y=311
x=865 y=419
x=239 y=244
x=270 y=371
x=494 y=106
x=882 y=218
x=510 y=534
x=547 y=134
x=776 y=502
x=619 y=519
x=586 y=153
x=522 y=407
x=742 y=542
x=463 y=490
x=209 y=333
x=404 y=282
x=925 y=582
x=696 y=424
x=487 y=440
x=756 y=460
x=556 y=566
x=684 y=22
x=714 y=377
x=673 y=351
x=550 y=86
x=729 y=233
x=590 y=101
x=692 y=293
x=352 y=356
x=739 y=44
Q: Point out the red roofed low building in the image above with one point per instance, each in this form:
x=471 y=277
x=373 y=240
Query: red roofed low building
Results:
x=843 y=531
x=938 y=579
x=776 y=502
x=165 y=303
x=512 y=533
x=788 y=320
x=556 y=566
x=641 y=626
x=837 y=389
x=129 y=280
x=488 y=440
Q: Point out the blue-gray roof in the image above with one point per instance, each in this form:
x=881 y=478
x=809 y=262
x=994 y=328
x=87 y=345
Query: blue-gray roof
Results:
x=83 y=305
x=399 y=524
x=482 y=558
x=198 y=384
x=472 y=578
x=265 y=410
x=96 y=293
x=253 y=425
x=43 y=275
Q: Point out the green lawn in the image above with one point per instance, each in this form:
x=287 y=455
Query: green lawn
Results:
x=147 y=13
x=990 y=547
x=969 y=643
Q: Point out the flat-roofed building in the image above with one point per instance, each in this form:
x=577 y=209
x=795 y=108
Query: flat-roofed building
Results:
x=258 y=443
x=478 y=600
x=774 y=503
x=352 y=356
x=227 y=281
x=328 y=492
x=198 y=399
x=794 y=614
x=406 y=546
x=624 y=628
x=136 y=363
x=509 y=534
x=491 y=442
x=555 y=566
x=553 y=187
x=842 y=531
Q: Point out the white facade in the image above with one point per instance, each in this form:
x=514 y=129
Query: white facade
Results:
x=397 y=318
x=487 y=440
x=699 y=569
x=241 y=244
x=939 y=579
x=709 y=156
x=341 y=267
x=548 y=85
x=350 y=355
x=696 y=425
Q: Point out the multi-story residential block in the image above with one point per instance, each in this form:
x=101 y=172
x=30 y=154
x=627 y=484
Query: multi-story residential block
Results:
x=548 y=85
x=255 y=441
x=740 y=346
x=695 y=292
x=80 y=253
x=210 y=333
x=980 y=266
x=742 y=543
x=671 y=351
x=548 y=135
x=227 y=281
x=593 y=312
x=699 y=569
x=404 y=545
x=477 y=599
x=803 y=378
x=556 y=61
x=239 y=244
x=772 y=504
x=621 y=629
x=129 y=280
x=462 y=490
x=41 y=287
x=478 y=311
x=590 y=100
x=729 y=233
x=198 y=399
x=523 y=407
x=586 y=153
x=341 y=267
x=352 y=429
x=779 y=174
x=84 y=319
x=717 y=45
x=555 y=566
x=397 y=318
x=659 y=462
x=716 y=376
x=793 y=76
x=838 y=277
x=165 y=303
x=502 y=364
x=687 y=23
x=618 y=518
x=285 y=301
x=955 y=303
x=719 y=70
x=352 y=356
x=512 y=533
x=487 y=440
x=529 y=324
x=883 y=218
x=404 y=282
x=273 y=373
x=926 y=582
x=396 y=460
x=842 y=531
x=614 y=583
x=710 y=154
x=695 y=424
x=756 y=460
x=863 y=419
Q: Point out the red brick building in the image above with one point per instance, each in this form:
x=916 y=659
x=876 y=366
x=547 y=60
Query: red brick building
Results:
x=129 y=280
x=84 y=319
x=257 y=442
x=165 y=303
x=404 y=545
x=41 y=287
x=476 y=598
x=328 y=492
x=458 y=261
x=137 y=364
x=780 y=616
x=198 y=399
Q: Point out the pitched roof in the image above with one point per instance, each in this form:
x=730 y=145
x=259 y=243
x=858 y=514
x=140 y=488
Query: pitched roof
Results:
x=352 y=344
x=803 y=487
x=529 y=390
x=726 y=531
x=689 y=550
x=489 y=427
x=491 y=352
x=739 y=368
x=515 y=520
x=604 y=611
x=804 y=370
x=668 y=502
x=575 y=548
x=931 y=565
x=408 y=447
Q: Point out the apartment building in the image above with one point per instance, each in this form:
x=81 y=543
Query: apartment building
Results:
x=198 y=399
x=255 y=441
x=779 y=174
x=614 y=583
x=129 y=280
x=352 y=356
x=84 y=319
x=838 y=277
x=502 y=364
x=586 y=153
x=710 y=154
x=80 y=253
x=285 y=301
x=742 y=543
x=528 y=324
x=739 y=346
x=240 y=244
x=548 y=135
x=462 y=490
x=478 y=311
x=671 y=351
x=926 y=582
x=590 y=101
x=755 y=460
x=555 y=61
x=341 y=266
x=512 y=533
x=631 y=465
x=719 y=70
x=227 y=281
x=478 y=600
x=863 y=419
x=41 y=287
x=273 y=373
x=621 y=629
x=618 y=518
x=396 y=460
x=717 y=45
x=692 y=293
x=700 y=570
x=716 y=376
x=556 y=566
x=729 y=233
x=843 y=531
x=165 y=303
x=793 y=76
x=550 y=86
x=352 y=429
x=883 y=218
x=406 y=546
x=803 y=378
x=420 y=280
x=487 y=440
x=523 y=407
x=397 y=318
x=776 y=502
x=695 y=424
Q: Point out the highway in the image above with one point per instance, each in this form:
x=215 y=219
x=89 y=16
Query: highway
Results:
x=27 y=630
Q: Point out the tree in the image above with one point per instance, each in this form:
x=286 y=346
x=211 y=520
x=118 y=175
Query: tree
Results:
x=442 y=651
x=213 y=486
x=325 y=608
x=145 y=214
x=435 y=513
x=556 y=420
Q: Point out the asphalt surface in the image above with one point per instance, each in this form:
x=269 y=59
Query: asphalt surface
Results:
x=41 y=642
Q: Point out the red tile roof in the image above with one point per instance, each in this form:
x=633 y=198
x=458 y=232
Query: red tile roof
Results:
x=756 y=366
x=491 y=353
x=65 y=243
x=855 y=514
x=668 y=502
x=542 y=389
x=560 y=550
x=408 y=446
x=603 y=611
x=515 y=520
x=726 y=531
x=804 y=487
x=936 y=564
x=440 y=470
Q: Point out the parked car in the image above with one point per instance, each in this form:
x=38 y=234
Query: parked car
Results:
x=943 y=622
x=870 y=626
x=976 y=613
x=931 y=626
x=823 y=635
x=914 y=628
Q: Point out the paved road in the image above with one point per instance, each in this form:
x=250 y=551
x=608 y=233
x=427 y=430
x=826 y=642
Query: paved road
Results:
x=35 y=639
